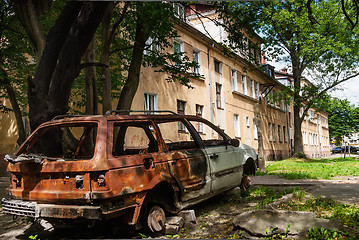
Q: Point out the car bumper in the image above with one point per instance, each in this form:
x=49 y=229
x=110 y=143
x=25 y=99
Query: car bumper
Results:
x=35 y=210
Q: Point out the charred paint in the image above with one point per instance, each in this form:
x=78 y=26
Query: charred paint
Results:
x=107 y=186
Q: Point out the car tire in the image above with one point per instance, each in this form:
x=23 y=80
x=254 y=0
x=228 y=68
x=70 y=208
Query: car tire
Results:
x=156 y=219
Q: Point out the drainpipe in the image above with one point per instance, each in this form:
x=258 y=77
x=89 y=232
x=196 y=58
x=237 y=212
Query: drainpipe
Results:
x=210 y=86
x=319 y=138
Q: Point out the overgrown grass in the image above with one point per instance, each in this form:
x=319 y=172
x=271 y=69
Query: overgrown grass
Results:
x=313 y=168
x=329 y=209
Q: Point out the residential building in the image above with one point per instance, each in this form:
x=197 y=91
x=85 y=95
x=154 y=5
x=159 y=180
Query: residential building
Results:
x=233 y=92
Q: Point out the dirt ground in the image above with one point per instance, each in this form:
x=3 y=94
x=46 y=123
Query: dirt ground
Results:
x=214 y=216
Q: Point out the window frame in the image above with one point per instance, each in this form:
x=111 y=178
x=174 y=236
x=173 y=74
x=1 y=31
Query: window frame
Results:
x=244 y=85
x=219 y=95
x=155 y=101
x=234 y=80
x=198 y=69
x=237 y=126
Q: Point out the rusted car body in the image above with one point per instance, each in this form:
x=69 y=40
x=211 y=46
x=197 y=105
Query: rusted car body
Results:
x=137 y=167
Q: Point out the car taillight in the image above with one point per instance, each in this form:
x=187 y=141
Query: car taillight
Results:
x=16 y=179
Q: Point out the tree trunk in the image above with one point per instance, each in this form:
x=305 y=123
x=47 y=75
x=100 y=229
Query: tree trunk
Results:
x=15 y=107
x=298 y=139
x=258 y=122
x=68 y=39
x=297 y=102
x=90 y=80
x=129 y=90
x=105 y=59
x=27 y=15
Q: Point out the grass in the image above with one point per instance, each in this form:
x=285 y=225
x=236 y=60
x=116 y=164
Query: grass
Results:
x=329 y=209
x=313 y=168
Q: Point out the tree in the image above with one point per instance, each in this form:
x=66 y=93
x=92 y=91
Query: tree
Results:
x=343 y=118
x=66 y=43
x=14 y=65
x=328 y=49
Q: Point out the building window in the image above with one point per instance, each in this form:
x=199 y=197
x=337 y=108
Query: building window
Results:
x=234 y=80
x=247 y=122
x=197 y=59
x=284 y=134
x=217 y=66
x=257 y=89
x=178 y=50
x=199 y=113
x=151 y=46
x=244 y=84
x=253 y=90
x=150 y=102
x=181 y=108
x=270 y=133
x=274 y=135
x=290 y=119
x=279 y=133
x=255 y=131
x=179 y=10
x=219 y=95
x=237 y=129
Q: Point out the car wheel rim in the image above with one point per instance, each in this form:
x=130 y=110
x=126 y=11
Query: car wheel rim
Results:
x=156 y=219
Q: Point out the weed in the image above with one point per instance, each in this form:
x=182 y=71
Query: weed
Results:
x=236 y=236
x=276 y=234
x=34 y=237
x=142 y=235
x=324 y=234
x=176 y=236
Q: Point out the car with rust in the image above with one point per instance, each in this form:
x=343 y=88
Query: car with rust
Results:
x=136 y=167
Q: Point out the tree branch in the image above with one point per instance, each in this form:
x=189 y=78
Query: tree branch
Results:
x=311 y=102
x=347 y=15
x=91 y=64
x=120 y=49
x=122 y=16
x=310 y=13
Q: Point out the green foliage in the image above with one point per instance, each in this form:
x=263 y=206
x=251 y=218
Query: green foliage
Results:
x=329 y=209
x=324 y=234
x=302 y=34
x=34 y=237
x=158 y=22
x=14 y=57
x=343 y=118
x=274 y=233
x=313 y=169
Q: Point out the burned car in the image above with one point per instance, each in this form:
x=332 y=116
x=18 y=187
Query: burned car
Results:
x=139 y=168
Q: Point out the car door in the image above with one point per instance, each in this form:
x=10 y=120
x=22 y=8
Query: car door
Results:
x=224 y=159
x=187 y=162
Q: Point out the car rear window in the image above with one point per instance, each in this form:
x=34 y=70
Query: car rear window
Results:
x=66 y=141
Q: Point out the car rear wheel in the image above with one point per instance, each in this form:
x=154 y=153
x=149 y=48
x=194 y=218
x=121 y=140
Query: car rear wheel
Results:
x=156 y=219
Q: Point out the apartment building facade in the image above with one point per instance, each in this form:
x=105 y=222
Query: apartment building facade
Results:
x=233 y=92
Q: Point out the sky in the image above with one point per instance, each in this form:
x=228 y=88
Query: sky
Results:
x=347 y=90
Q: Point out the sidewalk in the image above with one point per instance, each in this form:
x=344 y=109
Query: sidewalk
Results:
x=344 y=189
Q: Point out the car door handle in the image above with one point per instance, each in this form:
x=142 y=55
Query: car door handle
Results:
x=214 y=156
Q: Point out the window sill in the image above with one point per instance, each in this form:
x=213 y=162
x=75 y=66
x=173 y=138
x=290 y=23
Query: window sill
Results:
x=244 y=95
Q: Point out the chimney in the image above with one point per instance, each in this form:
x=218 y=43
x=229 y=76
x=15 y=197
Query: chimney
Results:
x=192 y=8
x=264 y=58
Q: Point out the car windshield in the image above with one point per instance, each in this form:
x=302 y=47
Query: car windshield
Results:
x=65 y=141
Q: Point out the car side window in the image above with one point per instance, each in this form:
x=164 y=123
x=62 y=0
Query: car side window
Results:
x=174 y=139
x=210 y=136
x=133 y=138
